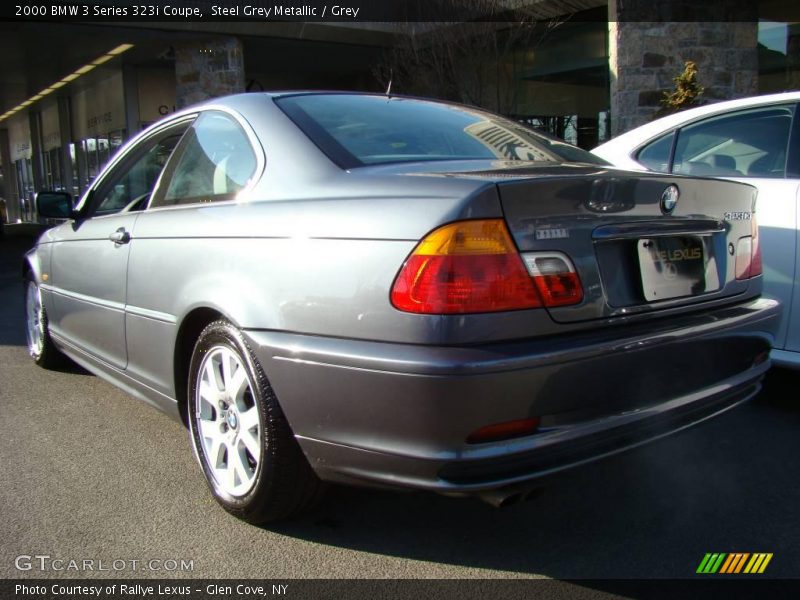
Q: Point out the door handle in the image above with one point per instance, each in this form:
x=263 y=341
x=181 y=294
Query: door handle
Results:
x=120 y=236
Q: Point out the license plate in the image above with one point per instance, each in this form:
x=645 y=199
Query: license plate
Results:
x=674 y=267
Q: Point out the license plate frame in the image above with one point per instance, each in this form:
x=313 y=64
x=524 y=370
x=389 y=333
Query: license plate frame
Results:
x=675 y=267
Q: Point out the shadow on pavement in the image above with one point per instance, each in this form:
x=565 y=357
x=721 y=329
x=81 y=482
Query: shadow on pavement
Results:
x=12 y=326
x=780 y=389
x=723 y=486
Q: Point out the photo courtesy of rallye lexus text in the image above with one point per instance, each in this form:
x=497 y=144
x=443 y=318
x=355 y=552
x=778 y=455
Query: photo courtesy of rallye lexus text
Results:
x=124 y=589
x=397 y=292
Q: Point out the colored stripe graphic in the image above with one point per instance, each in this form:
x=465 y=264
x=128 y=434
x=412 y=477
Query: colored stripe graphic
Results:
x=741 y=562
x=703 y=563
x=758 y=563
x=737 y=562
x=711 y=563
x=722 y=563
x=728 y=562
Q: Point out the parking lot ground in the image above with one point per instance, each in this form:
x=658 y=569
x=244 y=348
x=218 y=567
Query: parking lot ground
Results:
x=91 y=473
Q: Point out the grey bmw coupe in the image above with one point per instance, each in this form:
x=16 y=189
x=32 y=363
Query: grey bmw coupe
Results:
x=397 y=292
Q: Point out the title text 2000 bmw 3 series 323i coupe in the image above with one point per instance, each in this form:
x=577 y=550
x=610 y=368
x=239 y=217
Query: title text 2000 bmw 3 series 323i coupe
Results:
x=398 y=292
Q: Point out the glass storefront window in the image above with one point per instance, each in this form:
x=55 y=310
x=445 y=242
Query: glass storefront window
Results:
x=94 y=153
x=92 y=163
x=24 y=169
x=52 y=170
x=76 y=186
x=115 y=140
x=102 y=152
x=778 y=56
x=562 y=79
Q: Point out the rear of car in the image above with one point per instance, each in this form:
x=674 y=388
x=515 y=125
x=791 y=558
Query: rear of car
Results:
x=563 y=312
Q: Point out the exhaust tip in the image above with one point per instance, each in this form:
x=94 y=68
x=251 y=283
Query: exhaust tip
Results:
x=510 y=500
x=531 y=495
x=501 y=499
x=504 y=498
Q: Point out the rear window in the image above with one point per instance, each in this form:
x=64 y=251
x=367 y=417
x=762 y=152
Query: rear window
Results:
x=357 y=130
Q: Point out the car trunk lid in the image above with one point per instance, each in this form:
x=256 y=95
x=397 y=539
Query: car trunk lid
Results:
x=632 y=253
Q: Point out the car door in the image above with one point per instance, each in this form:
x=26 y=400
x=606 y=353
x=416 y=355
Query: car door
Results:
x=793 y=174
x=88 y=271
x=752 y=146
x=179 y=244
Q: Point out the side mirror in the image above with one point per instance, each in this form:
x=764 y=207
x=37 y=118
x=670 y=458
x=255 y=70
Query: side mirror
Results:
x=54 y=205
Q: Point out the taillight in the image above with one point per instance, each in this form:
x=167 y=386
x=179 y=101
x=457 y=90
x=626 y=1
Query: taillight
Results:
x=473 y=266
x=555 y=278
x=748 y=253
x=465 y=267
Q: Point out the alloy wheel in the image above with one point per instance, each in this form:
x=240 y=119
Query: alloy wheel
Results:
x=34 y=314
x=228 y=421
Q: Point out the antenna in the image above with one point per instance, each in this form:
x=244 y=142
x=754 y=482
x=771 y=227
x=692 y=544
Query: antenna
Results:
x=389 y=87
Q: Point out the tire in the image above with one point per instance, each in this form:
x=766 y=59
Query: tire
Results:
x=249 y=455
x=40 y=345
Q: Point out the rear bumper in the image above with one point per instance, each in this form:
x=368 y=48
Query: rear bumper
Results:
x=785 y=358
x=398 y=415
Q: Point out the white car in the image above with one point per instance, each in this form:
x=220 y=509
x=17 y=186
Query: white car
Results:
x=754 y=140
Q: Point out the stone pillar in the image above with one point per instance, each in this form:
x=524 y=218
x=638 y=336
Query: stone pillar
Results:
x=208 y=69
x=649 y=43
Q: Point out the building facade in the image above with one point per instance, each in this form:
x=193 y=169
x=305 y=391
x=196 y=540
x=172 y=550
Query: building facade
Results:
x=584 y=75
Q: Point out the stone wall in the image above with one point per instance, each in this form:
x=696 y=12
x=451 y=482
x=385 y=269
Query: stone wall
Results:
x=208 y=69
x=645 y=56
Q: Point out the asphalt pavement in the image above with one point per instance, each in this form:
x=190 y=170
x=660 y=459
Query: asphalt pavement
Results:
x=90 y=473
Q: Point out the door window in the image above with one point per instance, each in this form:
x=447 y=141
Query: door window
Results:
x=750 y=143
x=129 y=185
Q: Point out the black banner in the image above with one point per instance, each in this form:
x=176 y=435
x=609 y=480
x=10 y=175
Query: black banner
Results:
x=730 y=588
x=384 y=11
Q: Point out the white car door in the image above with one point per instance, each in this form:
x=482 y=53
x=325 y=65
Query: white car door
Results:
x=793 y=329
x=777 y=214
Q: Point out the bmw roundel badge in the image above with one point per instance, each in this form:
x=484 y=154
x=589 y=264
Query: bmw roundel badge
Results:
x=669 y=199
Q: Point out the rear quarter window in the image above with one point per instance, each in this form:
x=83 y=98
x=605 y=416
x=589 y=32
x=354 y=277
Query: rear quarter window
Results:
x=655 y=155
x=213 y=162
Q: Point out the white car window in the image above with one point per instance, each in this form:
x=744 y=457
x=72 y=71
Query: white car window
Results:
x=749 y=143
x=655 y=156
